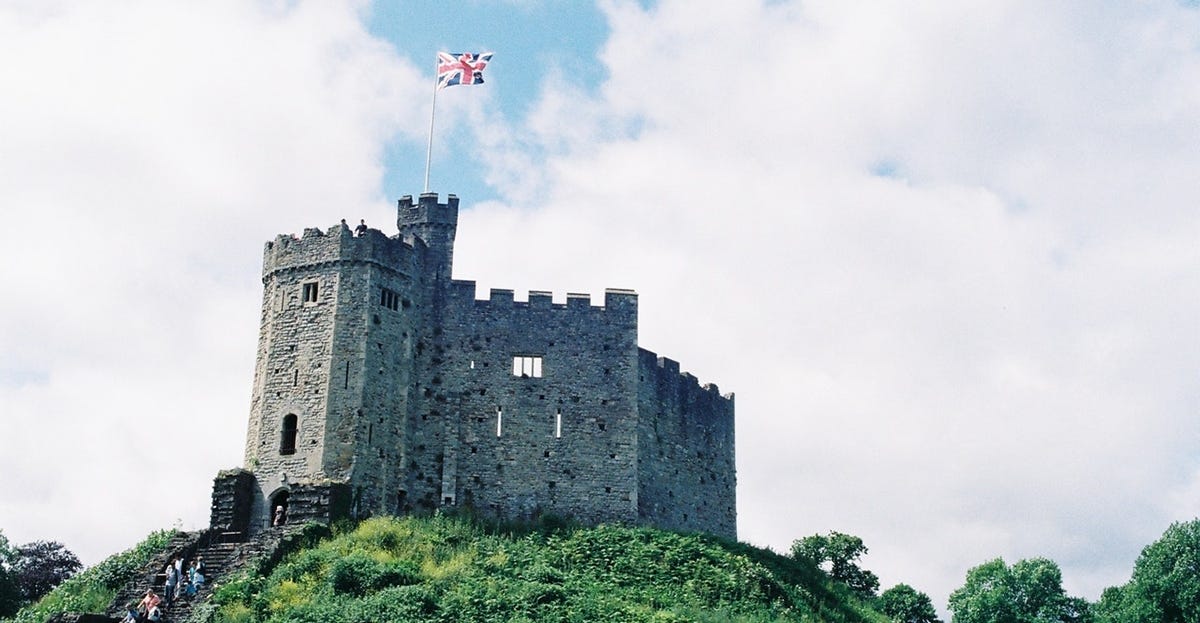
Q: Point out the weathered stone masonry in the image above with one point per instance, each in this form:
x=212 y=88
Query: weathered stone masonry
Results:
x=383 y=386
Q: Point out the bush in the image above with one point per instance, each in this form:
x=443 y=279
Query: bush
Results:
x=93 y=589
x=449 y=569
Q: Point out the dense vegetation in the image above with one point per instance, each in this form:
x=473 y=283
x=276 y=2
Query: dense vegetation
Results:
x=446 y=569
x=1165 y=588
x=841 y=552
x=1029 y=591
x=449 y=569
x=93 y=589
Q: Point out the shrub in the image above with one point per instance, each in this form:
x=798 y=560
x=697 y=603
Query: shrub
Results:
x=443 y=569
x=93 y=589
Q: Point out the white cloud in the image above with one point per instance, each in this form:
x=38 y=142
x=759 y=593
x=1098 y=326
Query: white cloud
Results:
x=150 y=149
x=989 y=351
x=944 y=254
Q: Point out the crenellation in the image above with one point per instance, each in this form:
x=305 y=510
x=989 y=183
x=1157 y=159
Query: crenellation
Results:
x=500 y=296
x=576 y=300
x=669 y=365
x=384 y=383
x=621 y=301
x=319 y=250
x=427 y=210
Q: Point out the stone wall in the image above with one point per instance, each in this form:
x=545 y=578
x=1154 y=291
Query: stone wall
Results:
x=686 y=465
x=515 y=446
x=232 y=501
x=318 y=502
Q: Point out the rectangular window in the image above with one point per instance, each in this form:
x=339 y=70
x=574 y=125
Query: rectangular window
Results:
x=389 y=299
x=499 y=420
x=558 y=425
x=287 y=437
x=310 y=292
x=527 y=366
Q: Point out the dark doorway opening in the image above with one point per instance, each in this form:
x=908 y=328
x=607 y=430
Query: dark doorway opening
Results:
x=279 y=509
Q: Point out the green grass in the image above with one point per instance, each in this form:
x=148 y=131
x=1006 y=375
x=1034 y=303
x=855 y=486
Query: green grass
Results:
x=446 y=569
x=93 y=589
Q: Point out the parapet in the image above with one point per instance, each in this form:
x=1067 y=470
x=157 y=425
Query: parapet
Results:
x=427 y=210
x=337 y=244
x=500 y=296
x=616 y=300
x=540 y=299
x=667 y=371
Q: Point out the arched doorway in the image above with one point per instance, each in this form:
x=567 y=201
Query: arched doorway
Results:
x=278 y=513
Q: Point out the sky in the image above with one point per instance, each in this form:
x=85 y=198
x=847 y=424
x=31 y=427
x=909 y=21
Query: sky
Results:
x=946 y=254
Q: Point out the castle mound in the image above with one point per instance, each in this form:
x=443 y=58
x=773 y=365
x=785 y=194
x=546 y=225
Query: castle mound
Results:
x=447 y=569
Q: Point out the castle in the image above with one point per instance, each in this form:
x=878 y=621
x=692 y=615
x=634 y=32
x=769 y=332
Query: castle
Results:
x=382 y=386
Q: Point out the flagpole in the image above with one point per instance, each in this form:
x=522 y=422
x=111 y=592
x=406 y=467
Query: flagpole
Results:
x=432 y=110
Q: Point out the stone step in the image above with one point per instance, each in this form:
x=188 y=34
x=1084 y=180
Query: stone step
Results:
x=220 y=558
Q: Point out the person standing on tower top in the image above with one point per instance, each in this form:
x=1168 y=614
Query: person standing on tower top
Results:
x=362 y=227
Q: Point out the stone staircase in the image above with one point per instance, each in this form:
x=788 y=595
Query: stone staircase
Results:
x=218 y=558
x=223 y=553
x=183 y=544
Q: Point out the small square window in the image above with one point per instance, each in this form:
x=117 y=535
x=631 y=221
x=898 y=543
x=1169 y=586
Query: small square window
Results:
x=310 y=292
x=389 y=299
x=527 y=366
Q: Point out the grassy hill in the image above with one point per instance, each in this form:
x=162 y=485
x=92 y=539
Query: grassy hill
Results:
x=94 y=588
x=446 y=569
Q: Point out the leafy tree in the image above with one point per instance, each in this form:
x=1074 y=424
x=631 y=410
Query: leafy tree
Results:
x=841 y=552
x=42 y=565
x=1028 y=592
x=1118 y=605
x=905 y=604
x=10 y=590
x=1166 y=581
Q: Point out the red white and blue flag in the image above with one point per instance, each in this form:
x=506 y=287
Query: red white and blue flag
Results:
x=461 y=68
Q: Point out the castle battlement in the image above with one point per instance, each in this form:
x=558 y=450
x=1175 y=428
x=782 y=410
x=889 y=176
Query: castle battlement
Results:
x=616 y=300
x=666 y=371
x=427 y=210
x=339 y=244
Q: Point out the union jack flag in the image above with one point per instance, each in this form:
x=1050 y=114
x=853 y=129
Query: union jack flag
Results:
x=461 y=68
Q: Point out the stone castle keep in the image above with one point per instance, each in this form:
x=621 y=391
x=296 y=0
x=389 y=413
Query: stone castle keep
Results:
x=382 y=386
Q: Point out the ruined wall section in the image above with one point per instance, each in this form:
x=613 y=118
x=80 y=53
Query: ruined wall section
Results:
x=565 y=442
x=319 y=346
x=686 y=451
